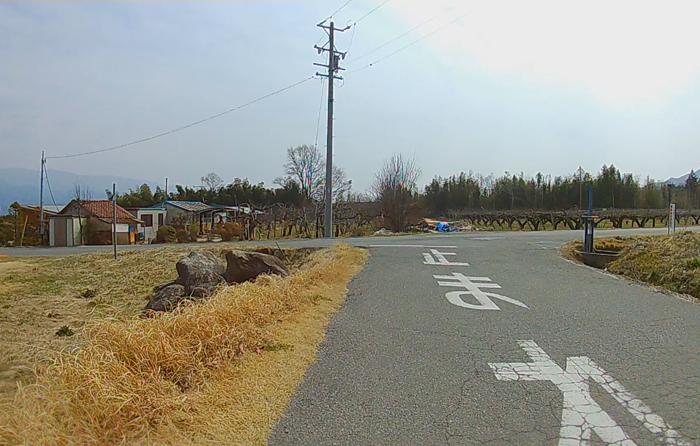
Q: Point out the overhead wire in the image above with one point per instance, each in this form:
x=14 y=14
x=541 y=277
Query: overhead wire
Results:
x=410 y=44
x=355 y=22
x=371 y=11
x=392 y=40
x=337 y=10
x=183 y=127
x=48 y=183
x=352 y=38
x=320 y=110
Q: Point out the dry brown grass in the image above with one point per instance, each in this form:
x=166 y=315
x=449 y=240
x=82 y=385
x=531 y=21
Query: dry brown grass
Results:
x=671 y=262
x=40 y=295
x=615 y=244
x=219 y=373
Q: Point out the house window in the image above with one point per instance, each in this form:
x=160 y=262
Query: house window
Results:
x=147 y=220
x=160 y=219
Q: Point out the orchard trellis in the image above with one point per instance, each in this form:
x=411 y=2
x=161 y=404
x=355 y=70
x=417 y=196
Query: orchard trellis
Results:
x=538 y=220
x=280 y=220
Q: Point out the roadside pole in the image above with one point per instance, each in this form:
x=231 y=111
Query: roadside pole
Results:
x=114 y=219
x=672 y=218
x=41 y=198
x=588 y=224
x=333 y=59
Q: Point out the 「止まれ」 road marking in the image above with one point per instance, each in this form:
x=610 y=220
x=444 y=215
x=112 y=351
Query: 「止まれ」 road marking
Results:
x=435 y=257
x=473 y=286
x=581 y=414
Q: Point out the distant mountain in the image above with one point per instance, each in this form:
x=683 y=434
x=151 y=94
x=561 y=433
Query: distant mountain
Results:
x=22 y=185
x=680 y=181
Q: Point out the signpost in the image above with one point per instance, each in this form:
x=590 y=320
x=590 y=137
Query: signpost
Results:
x=114 y=219
x=588 y=224
x=672 y=218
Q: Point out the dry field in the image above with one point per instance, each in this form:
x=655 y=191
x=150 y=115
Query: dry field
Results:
x=221 y=372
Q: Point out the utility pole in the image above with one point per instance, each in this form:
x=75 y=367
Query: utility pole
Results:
x=114 y=219
x=333 y=59
x=41 y=198
x=166 y=188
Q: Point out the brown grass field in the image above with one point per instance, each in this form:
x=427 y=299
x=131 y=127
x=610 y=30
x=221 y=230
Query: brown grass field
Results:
x=668 y=261
x=221 y=372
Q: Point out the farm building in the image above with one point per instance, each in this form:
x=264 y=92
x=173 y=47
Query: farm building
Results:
x=189 y=213
x=152 y=217
x=90 y=222
x=27 y=218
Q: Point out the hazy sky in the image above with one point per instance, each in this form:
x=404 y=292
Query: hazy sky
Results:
x=509 y=86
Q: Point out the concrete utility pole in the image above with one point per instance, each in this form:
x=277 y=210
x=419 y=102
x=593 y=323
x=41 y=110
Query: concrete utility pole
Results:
x=114 y=219
x=41 y=197
x=333 y=59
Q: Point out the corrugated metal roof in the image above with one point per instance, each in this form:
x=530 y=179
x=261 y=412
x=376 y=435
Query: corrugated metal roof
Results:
x=55 y=209
x=190 y=206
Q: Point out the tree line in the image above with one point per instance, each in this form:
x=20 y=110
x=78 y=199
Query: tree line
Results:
x=611 y=189
x=395 y=190
x=302 y=184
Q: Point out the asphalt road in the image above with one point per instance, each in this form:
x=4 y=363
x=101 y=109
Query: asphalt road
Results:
x=551 y=237
x=519 y=347
x=601 y=358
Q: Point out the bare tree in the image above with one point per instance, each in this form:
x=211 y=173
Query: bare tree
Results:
x=81 y=194
x=305 y=165
x=394 y=187
x=212 y=181
x=341 y=185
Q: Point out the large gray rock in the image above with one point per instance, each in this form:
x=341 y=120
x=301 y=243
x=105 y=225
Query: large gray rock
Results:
x=166 y=298
x=200 y=273
x=242 y=266
x=198 y=276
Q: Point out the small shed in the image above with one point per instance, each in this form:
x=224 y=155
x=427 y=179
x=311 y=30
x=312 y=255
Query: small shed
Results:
x=90 y=222
x=189 y=214
x=27 y=218
x=67 y=230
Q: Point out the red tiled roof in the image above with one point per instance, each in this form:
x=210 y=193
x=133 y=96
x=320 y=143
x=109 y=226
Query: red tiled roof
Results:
x=102 y=209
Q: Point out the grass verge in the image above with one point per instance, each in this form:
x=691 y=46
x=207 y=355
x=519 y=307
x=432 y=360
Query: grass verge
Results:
x=668 y=261
x=216 y=373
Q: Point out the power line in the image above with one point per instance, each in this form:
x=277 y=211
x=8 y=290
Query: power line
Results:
x=400 y=36
x=392 y=40
x=48 y=183
x=352 y=37
x=410 y=44
x=320 y=110
x=183 y=127
x=337 y=10
x=355 y=22
x=371 y=11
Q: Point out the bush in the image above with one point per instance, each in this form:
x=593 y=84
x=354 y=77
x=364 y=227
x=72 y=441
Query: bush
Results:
x=7 y=229
x=166 y=234
x=182 y=235
x=231 y=230
x=194 y=232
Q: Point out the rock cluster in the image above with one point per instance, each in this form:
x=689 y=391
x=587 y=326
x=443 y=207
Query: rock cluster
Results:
x=200 y=273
